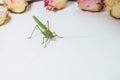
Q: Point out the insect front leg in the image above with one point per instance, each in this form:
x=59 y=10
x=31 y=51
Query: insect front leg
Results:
x=55 y=35
x=46 y=42
x=43 y=33
x=43 y=41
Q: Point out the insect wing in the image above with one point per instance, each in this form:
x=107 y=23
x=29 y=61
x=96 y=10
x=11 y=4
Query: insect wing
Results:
x=41 y=25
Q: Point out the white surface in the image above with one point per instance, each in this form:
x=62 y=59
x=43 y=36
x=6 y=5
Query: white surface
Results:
x=90 y=49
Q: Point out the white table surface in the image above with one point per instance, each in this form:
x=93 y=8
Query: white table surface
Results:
x=90 y=49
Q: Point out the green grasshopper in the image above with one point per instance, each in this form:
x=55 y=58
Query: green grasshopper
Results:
x=46 y=32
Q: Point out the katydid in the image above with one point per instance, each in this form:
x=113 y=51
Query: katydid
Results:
x=46 y=32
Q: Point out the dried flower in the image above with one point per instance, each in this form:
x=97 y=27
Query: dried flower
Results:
x=16 y=6
x=113 y=7
x=54 y=5
x=90 y=5
x=3 y=14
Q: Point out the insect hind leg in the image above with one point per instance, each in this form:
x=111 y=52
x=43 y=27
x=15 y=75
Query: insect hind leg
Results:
x=47 y=24
x=32 y=32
